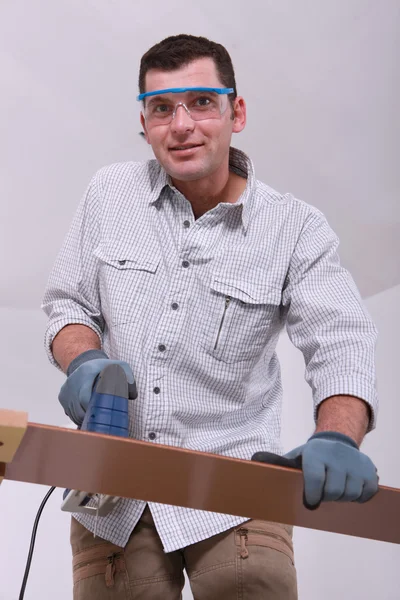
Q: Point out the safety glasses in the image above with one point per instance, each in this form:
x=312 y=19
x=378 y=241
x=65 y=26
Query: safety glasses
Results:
x=200 y=103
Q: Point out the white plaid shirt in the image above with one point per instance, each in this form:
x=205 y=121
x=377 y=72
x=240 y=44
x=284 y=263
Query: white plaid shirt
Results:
x=196 y=308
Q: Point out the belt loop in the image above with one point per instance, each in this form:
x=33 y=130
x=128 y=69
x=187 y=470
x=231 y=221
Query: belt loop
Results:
x=110 y=570
x=244 y=553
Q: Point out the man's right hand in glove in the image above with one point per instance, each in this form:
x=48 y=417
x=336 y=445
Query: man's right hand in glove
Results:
x=82 y=372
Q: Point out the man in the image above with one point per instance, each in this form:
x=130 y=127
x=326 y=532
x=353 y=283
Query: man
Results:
x=185 y=269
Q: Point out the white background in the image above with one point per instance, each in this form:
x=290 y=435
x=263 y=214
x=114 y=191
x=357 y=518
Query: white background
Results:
x=322 y=86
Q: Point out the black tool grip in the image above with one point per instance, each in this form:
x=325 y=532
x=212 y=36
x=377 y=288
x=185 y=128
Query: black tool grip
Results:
x=132 y=391
x=276 y=459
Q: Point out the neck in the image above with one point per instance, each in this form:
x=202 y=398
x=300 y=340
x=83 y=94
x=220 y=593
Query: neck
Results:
x=204 y=194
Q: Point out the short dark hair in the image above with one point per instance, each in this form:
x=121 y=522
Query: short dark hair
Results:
x=177 y=51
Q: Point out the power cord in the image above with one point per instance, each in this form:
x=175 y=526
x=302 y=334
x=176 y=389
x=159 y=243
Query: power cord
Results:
x=32 y=546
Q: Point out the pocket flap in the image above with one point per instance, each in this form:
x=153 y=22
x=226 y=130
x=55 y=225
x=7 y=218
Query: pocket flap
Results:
x=126 y=257
x=249 y=292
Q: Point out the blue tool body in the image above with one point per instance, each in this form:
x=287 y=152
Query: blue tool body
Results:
x=107 y=413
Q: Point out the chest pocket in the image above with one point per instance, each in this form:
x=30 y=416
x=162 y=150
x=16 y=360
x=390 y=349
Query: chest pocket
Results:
x=126 y=278
x=241 y=316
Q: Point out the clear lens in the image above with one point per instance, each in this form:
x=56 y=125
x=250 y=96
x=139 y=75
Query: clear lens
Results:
x=199 y=105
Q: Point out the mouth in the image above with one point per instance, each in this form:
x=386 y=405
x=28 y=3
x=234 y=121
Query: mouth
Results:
x=184 y=149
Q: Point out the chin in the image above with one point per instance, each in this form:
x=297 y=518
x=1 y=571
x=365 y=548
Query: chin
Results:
x=187 y=172
x=184 y=176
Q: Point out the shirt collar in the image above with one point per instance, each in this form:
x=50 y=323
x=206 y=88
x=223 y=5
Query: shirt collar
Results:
x=239 y=163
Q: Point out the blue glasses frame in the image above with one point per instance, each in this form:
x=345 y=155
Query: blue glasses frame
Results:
x=185 y=89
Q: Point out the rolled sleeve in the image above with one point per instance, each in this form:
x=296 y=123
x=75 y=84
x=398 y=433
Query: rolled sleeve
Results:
x=327 y=320
x=54 y=327
x=72 y=291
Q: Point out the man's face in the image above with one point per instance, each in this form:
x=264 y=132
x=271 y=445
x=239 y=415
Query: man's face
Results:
x=212 y=137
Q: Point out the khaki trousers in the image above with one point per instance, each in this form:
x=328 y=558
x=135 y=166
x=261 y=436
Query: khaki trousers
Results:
x=253 y=561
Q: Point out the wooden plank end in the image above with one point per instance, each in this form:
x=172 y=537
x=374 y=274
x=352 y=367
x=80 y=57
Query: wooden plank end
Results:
x=13 y=425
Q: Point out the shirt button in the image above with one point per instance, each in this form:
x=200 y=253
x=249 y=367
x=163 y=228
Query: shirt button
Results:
x=161 y=348
x=174 y=306
x=185 y=264
x=186 y=224
x=156 y=390
x=122 y=262
x=152 y=435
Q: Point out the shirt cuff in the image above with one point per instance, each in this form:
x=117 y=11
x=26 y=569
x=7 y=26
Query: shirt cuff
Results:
x=55 y=327
x=348 y=386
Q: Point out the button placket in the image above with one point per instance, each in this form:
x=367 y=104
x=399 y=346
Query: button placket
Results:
x=166 y=335
x=153 y=419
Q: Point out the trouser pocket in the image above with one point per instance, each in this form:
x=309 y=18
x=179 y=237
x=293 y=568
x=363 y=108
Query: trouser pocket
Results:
x=265 y=534
x=98 y=567
x=99 y=560
x=265 y=561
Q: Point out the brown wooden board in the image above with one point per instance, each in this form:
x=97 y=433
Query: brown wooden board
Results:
x=12 y=429
x=125 y=467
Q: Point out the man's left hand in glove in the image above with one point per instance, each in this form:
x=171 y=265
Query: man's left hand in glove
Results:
x=334 y=469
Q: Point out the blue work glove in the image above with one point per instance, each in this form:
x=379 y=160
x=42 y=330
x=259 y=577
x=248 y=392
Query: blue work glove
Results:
x=76 y=392
x=335 y=469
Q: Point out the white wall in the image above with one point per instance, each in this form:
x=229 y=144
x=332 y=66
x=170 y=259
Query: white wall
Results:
x=329 y=566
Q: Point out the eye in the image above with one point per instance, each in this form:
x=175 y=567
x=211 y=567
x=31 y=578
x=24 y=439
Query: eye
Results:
x=161 y=108
x=203 y=101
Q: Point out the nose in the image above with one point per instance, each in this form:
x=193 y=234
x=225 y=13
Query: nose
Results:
x=182 y=122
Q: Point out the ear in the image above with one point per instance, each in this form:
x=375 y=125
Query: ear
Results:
x=143 y=123
x=239 y=115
